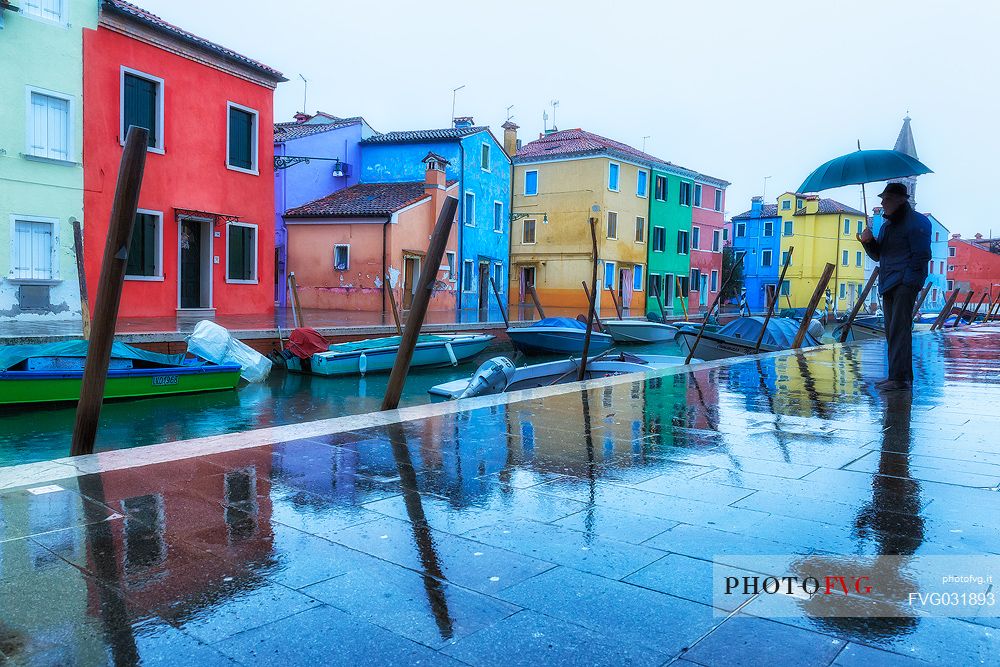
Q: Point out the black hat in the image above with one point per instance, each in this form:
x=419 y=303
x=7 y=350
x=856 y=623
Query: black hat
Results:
x=897 y=189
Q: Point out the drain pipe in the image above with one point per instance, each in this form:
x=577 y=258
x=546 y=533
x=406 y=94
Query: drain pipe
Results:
x=385 y=273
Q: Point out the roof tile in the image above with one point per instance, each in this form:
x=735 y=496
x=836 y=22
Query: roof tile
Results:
x=364 y=200
x=418 y=136
x=293 y=130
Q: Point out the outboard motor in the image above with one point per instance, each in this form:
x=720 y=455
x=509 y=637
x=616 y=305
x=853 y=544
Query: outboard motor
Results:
x=816 y=329
x=490 y=378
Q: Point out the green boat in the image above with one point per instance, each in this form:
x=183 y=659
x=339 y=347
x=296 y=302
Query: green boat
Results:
x=53 y=373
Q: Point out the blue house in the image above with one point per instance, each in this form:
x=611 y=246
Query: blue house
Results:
x=483 y=171
x=758 y=233
x=314 y=156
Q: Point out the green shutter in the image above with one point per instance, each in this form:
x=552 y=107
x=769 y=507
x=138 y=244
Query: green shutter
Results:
x=241 y=252
x=142 y=249
x=240 y=138
x=140 y=105
x=248 y=253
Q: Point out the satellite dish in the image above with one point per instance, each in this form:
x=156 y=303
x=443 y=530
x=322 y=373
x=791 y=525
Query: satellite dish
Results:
x=595 y=208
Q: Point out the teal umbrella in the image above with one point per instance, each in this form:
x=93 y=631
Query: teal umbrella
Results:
x=862 y=167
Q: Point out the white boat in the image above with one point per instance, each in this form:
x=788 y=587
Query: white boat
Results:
x=639 y=331
x=557 y=335
x=379 y=354
x=739 y=337
x=499 y=374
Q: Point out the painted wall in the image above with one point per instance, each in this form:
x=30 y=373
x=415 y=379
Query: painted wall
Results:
x=704 y=258
x=307 y=181
x=818 y=239
x=668 y=263
x=310 y=253
x=563 y=250
x=190 y=173
x=747 y=233
x=402 y=162
x=47 y=56
x=973 y=268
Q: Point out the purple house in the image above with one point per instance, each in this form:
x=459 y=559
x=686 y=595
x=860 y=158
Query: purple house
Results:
x=314 y=156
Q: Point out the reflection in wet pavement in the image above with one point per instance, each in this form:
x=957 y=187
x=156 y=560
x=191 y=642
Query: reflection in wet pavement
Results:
x=577 y=528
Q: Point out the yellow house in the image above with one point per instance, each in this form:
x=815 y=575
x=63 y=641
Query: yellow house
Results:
x=560 y=181
x=822 y=231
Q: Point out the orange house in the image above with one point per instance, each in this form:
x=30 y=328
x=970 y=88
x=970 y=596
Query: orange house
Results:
x=343 y=247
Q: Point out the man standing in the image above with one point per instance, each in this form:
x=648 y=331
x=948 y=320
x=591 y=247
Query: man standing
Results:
x=902 y=249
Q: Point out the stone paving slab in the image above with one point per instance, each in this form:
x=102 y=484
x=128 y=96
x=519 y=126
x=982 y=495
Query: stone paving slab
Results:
x=566 y=526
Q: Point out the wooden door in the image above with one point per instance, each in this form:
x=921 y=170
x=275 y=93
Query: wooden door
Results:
x=190 y=248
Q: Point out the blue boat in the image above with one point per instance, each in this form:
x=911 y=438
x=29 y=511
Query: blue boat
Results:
x=558 y=335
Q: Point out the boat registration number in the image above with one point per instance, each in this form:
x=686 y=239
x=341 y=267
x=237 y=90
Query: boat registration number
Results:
x=163 y=380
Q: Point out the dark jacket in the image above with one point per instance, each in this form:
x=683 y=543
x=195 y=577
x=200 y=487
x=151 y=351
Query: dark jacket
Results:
x=902 y=250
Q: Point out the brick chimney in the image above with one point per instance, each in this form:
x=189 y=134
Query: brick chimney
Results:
x=463 y=121
x=956 y=236
x=756 y=205
x=509 y=138
x=979 y=237
x=301 y=117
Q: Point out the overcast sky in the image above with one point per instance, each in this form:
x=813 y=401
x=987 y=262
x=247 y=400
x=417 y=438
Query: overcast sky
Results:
x=735 y=89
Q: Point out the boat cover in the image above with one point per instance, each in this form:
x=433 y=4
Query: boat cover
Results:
x=780 y=331
x=304 y=342
x=378 y=343
x=565 y=322
x=11 y=355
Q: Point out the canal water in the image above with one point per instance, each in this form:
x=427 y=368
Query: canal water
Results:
x=41 y=434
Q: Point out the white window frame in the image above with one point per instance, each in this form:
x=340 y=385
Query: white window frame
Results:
x=604 y=278
x=525 y=184
x=469 y=217
x=698 y=195
x=161 y=95
x=53 y=251
x=497 y=218
x=713 y=281
x=669 y=285
x=607 y=228
x=680 y=193
x=845 y=258
x=341 y=245
x=638 y=275
x=638 y=173
x=847 y=226
x=666 y=185
x=498 y=277
x=741 y=229
x=158 y=277
x=769 y=254
x=652 y=237
x=768 y=224
x=786 y=205
x=718 y=199
x=784 y=224
x=534 y=231
x=951 y=251
x=691 y=238
x=843 y=290
x=951 y=285
x=716 y=240
x=618 y=183
x=29 y=126
x=39 y=17
x=859 y=258
x=489 y=156
x=637 y=219
x=256 y=253
x=254 y=164
x=688 y=244
x=468 y=273
x=451 y=258
x=784 y=256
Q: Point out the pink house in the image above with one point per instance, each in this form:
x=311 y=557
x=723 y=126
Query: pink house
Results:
x=707 y=224
x=342 y=247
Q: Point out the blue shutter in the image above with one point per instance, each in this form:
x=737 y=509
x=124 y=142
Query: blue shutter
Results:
x=140 y=105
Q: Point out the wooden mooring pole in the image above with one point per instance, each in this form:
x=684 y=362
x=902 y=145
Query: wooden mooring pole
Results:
x=824 y=280
x=715 y=302
x=538 y=303
x=846 y=329
x=392 y=304
x=995 y=311
x=421 y=299
x=677 y=285
x=496 y=293
x=920 y=301
x=109 y=290
x=965 y=306
x=975 y=313
x=614 y=300
x=943 y=315
x=293 y=288
x=81 y=276
x=592 y=310
x=597 y=317
x=774 y=299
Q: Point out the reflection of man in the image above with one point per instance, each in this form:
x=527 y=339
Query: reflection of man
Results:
x=902 y=249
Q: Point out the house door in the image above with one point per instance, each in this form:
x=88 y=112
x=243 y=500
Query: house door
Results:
x=411 y=271
x=625 y=288
x=195 y=266
x=484 y=285
x=527 y=281
x=668 y=291
x=769 y=292
x=703 y=290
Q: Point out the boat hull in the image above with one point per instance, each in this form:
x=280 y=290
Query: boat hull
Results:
x=639 y=331
x=24 y=387
x=557 y=340
x=713 y=347
x=380 y=360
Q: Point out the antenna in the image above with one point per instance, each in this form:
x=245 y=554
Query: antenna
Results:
x=644 y=142
x=305 y=92
x=545 y=121
x=555 y=105
x=454 y=93
x=763 y=195
x=509 y=114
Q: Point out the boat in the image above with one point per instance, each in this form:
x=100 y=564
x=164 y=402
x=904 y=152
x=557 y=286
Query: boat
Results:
x=377 y=355
x=557 y=335
x=499 y=374
x=53 y=373
x=739 y=337
x=639 y=331
x=867 y=327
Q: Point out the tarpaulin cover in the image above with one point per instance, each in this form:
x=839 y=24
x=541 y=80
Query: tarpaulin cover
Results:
x=378 y=343
x=780 y=331
x=304 y=342
x=11 y=355
x=565 y=322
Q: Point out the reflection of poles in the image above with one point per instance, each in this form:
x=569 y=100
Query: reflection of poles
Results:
x=774 y=297
x=591 y=464
x=943 y=315
x=718 y=296
x=979 y=305
x=819 y=407
x=422 y=537
x=811 y=307
x=103 y=553
x=421 y=299
x=592 y=310
x=109 y=290
x=846 y=327
x=961 y=313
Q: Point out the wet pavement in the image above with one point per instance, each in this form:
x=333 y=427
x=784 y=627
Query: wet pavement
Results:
x=574 y=528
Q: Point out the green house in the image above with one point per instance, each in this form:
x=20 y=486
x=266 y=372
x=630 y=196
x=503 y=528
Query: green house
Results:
x=669 y=240
x=41 y=146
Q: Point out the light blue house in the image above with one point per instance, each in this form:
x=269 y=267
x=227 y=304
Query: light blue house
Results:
x=758 y=233
x=314 y=156
x=483 y=171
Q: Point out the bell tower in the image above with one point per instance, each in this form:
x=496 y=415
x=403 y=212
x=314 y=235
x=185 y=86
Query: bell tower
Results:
x=904 y=144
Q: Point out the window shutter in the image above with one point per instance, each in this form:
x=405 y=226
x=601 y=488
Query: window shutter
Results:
x=248 y=258
x=235 y=252
x=240 y=139
x=140 y=105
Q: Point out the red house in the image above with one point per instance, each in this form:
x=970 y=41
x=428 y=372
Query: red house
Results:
x=203 y=242
x=708 y=219
x=974 y=264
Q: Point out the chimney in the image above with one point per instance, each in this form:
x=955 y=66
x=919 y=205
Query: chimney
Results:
x=979 y=237
x=956 y=236
x=301 y=117
x=463 y=121
x=434 y=177
x=756 y=205
x=509 y=138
